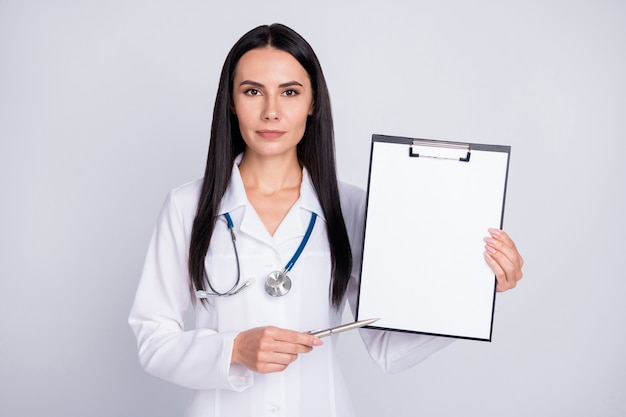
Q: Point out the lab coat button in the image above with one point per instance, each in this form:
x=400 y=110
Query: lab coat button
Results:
x=273 y=409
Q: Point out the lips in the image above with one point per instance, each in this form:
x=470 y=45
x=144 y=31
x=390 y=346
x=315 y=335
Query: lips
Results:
x=270 y=134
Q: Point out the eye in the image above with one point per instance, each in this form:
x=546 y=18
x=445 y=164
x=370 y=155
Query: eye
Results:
x=290 y=93
x=252 y=92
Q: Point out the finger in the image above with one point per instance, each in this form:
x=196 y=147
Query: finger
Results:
x=499 y=254
x=502 y=283
x=290 y=348
x=277 y=355
x=501 y=242
x=272 y=362
x=277 y=358
x=266 y=368
x=503 y=254
x=511 y=248
x=259 y=352
x=287 y=342
x=501 y=235
x=298 y=338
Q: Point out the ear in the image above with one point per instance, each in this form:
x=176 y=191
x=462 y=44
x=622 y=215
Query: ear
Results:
x=312 y=108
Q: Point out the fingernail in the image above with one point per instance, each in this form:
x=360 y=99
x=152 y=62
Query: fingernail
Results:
x=318 y=342
x=495 y=232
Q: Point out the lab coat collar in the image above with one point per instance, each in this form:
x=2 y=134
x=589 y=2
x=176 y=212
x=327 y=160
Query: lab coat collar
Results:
x=293 y=225
x=308 y=196
x=235 y=195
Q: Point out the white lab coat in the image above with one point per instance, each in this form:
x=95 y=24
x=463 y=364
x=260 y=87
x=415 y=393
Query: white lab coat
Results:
x=197 y=355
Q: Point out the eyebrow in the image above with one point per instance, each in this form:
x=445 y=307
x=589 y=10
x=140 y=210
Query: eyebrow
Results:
x=283 y=85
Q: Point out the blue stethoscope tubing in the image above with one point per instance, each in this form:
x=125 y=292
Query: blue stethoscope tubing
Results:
x=236 y=288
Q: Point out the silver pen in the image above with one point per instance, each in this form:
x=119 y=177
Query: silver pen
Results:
x=342 y=328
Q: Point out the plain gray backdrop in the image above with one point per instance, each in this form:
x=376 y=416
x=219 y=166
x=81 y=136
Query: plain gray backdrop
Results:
x=106 y=105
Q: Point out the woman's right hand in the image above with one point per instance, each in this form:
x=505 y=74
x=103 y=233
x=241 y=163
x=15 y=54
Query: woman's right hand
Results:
x=271 y=349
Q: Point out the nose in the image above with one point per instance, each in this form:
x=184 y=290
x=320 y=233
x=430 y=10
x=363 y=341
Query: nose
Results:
x=271 y=109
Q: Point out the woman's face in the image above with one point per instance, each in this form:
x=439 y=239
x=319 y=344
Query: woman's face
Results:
x=272 y=97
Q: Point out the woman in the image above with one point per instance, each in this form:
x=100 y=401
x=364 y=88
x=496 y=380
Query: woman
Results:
x=269 y=203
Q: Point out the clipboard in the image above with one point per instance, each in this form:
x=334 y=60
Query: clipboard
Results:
x=429 y=205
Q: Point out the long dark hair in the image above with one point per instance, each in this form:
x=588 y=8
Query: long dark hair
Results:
x=316 y=152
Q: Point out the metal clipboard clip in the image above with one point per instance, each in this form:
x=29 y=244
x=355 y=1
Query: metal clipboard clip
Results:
x=421 y=148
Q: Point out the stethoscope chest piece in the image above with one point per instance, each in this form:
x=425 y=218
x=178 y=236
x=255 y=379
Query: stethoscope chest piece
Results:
x=277 y=284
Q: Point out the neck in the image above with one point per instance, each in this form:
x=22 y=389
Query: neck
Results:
x=270 y=175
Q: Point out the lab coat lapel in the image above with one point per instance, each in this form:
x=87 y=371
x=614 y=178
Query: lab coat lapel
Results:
x=296 y=222
x=252 y=225
x=308 y=199
x=291 y=226
x=235 y=202
x=235 y=195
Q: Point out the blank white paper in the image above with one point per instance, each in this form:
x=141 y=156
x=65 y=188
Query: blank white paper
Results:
x=423 y=268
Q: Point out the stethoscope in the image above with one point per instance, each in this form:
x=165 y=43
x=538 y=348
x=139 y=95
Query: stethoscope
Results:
x=277 y=283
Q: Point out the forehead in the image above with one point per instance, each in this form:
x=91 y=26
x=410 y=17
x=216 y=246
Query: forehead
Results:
x=268 y=65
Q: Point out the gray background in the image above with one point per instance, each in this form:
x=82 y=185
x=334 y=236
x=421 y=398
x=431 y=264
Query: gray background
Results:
x=105 y=106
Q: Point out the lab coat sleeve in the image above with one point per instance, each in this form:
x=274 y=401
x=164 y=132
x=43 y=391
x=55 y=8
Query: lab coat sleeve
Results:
x=393 y=351
x=199 y=358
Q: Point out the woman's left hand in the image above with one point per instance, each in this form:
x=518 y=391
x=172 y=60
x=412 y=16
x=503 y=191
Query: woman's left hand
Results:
x=504 y=259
